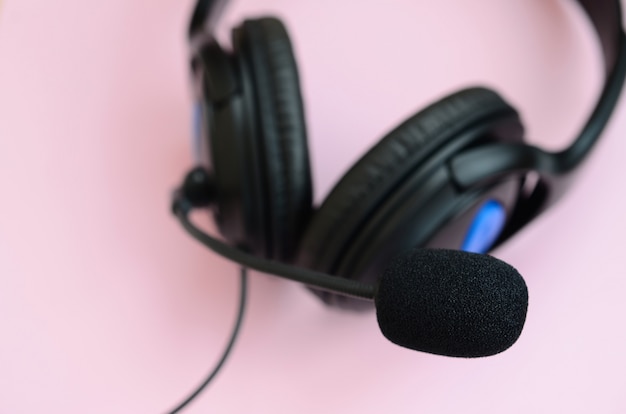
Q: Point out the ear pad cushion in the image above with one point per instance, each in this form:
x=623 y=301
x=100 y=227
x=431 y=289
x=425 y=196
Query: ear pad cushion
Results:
x=281 y=137
x=374 y=177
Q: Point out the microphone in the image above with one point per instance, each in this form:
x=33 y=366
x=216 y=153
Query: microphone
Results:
x=443 y=302
x=453 y=303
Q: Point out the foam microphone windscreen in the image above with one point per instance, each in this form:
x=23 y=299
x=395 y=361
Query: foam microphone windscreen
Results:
x=453 y=303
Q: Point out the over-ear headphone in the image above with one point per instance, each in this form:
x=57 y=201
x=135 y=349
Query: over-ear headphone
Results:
x=455 y=176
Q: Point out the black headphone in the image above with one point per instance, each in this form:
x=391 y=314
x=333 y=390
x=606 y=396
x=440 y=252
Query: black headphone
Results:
x=408 y=226
x=455 y=176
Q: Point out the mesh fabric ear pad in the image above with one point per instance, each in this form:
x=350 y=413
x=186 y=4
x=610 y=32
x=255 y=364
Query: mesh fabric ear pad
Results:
x=372 y=180
x=281 y=134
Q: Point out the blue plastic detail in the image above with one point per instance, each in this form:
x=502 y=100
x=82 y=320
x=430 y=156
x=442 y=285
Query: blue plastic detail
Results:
x=196 y=129
x=486 y=226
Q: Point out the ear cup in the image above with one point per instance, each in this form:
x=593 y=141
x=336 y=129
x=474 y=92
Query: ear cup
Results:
x=365 y=188
x=266 y=56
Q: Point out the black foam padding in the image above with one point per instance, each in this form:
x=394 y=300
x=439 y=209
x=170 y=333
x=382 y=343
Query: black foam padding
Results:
x=282 y=132
x=373 y=178
x=451 y=303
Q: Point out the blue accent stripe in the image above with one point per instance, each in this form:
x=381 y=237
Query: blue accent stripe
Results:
x=196 y=133
x=486 y=226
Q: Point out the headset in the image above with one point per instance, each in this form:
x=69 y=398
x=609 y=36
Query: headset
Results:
x=455 y=177
x=407 y=229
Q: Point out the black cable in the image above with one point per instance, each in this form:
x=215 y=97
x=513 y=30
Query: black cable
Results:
x=229 y=347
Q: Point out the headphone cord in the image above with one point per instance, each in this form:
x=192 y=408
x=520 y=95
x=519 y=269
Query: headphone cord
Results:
x=233 y=337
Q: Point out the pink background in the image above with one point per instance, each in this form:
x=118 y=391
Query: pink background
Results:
x=106 y=306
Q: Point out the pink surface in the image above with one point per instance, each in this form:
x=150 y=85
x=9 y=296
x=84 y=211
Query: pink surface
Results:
x=106 y=306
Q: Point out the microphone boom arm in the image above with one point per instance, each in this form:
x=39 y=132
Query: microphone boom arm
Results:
x=181 y=207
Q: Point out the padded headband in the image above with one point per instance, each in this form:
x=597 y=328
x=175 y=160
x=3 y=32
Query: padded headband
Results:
x=606 y=18
x=605 y=15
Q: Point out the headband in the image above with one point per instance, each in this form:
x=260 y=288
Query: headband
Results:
x=606 y=18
